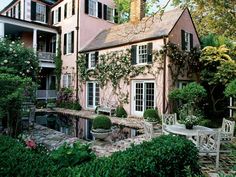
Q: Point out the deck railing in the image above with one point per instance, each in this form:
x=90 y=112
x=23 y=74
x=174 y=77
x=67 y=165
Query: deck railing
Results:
x=46 y=94
x=46 y=57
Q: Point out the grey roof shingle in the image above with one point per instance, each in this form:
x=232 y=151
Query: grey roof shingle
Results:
x=148 y=28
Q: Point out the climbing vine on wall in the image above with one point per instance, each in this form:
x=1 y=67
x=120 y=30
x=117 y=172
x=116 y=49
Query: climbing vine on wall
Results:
x=182 y=62
x=115 y=68
x=58 y=63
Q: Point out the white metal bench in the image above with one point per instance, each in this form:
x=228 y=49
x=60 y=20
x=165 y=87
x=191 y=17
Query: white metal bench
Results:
x=108 y=108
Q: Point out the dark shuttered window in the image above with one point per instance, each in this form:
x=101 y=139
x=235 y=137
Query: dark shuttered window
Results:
x=149 y=52
x=133 y=54
x=65 y=43
x=65 y=11
x=99 y=10
x=105 y=12
x=33 y=10
x=86 y=6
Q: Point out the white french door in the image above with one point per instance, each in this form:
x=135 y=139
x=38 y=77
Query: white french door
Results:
x=92 y=96
x=143 y=96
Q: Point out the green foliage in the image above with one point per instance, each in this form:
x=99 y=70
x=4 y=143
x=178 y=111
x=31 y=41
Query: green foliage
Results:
x=230 y=90
x=58 y=63
x=191 y=93
x=222 y=10
x=151 y=115
x=40 y=104
x=72 y=155
x=102 y=122
x=164 y=156
x=121 y=112
x=215 y=40
x=14 y=55
x=123 y=8
x=16 y=160
x=13 y=90
x=182 y=62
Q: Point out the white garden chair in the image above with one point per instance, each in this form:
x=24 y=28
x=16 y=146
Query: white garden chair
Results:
x=208 y=144
x=168 y=119
x=227 y=130
x=148 y=130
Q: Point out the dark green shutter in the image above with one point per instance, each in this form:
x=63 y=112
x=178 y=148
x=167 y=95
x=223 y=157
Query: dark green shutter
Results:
x=86 y=6
x=19 y=10
x=99 y=10
x=33 y=10
x=72 y=42
x=87 y=60
x=52 y=17
x=116 y=17
x=96 y=58
x=59 y=14
x=73 y=7
x=183 y=39
x=133 y=54
x=65 y=41
x=149 y=52
x=105 y=12
x=65 y=11
x=191 y=40
x=47 y=13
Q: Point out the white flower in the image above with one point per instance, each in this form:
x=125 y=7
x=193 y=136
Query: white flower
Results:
x=13 y=42
x=15 y=55
x=27 y=71
x=5 y=61
x=11 y=49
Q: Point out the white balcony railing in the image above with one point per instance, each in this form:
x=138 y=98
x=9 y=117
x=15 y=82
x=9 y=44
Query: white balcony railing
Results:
x=46 y=57
x=46 y=94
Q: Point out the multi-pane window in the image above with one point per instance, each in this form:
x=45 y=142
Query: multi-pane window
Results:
x=187 y=41
x=110 y=14
x=69 y=9
x=93 y=7
x=67 y=80
x=69 y=43
x=57 y=15
x=142 y=54
x=92 y=94
x=40 y=12
x=92 y=60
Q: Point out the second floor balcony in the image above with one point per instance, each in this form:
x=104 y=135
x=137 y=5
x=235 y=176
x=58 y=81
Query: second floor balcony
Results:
x=47 y=57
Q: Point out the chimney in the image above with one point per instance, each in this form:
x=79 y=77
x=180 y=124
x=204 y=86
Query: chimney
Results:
x=137 y=10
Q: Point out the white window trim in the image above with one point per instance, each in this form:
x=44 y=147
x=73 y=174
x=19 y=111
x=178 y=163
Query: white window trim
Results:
x=68 y=50
x=133 y=94
x=137 y=55
x=113 y=15
x=188 y=44
x=67 y=84
x=44 y=20
x=94 y=92
x=96 y=9
x=89 y=61
x=55 y=20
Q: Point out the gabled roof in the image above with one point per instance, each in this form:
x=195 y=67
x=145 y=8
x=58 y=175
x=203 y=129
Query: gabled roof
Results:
x=149 y=28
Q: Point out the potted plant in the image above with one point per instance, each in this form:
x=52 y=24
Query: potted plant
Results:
x=190 y=121
x=101 y=127
x=151 y=115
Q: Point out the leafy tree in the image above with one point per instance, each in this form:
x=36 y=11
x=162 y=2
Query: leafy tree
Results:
x=230 y=90
x=21 y=60
x=215 y=16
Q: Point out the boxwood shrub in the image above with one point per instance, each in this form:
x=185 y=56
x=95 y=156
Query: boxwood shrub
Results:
x=165 y=156
x=102 y=122
x=151 y=115
x=120 y=112
x=16 y=160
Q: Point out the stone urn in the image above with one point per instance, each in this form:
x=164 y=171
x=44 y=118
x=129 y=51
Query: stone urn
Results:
x=101 y=133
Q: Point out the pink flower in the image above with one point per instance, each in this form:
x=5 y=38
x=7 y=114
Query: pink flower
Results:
x=30 y=144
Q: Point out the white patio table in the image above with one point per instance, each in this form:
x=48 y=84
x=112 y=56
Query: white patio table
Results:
x=179 y=129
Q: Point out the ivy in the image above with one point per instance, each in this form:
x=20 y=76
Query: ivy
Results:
x=115 y=68
x=182 y=62
x=58 y=63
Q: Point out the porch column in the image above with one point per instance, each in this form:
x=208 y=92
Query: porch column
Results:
x=57 y=41
x=2 y=30
x=35 y=40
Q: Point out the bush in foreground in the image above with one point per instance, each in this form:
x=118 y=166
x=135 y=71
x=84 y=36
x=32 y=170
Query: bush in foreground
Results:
x=165 y=156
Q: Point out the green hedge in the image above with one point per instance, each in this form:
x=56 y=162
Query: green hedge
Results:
x=165 y=156
x=16 y=160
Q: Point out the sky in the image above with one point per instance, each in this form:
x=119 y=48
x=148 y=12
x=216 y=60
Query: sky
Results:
x=4 y=3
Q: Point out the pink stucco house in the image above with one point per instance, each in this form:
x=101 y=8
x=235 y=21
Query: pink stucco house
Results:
x=142 y=35
x=42 y=24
